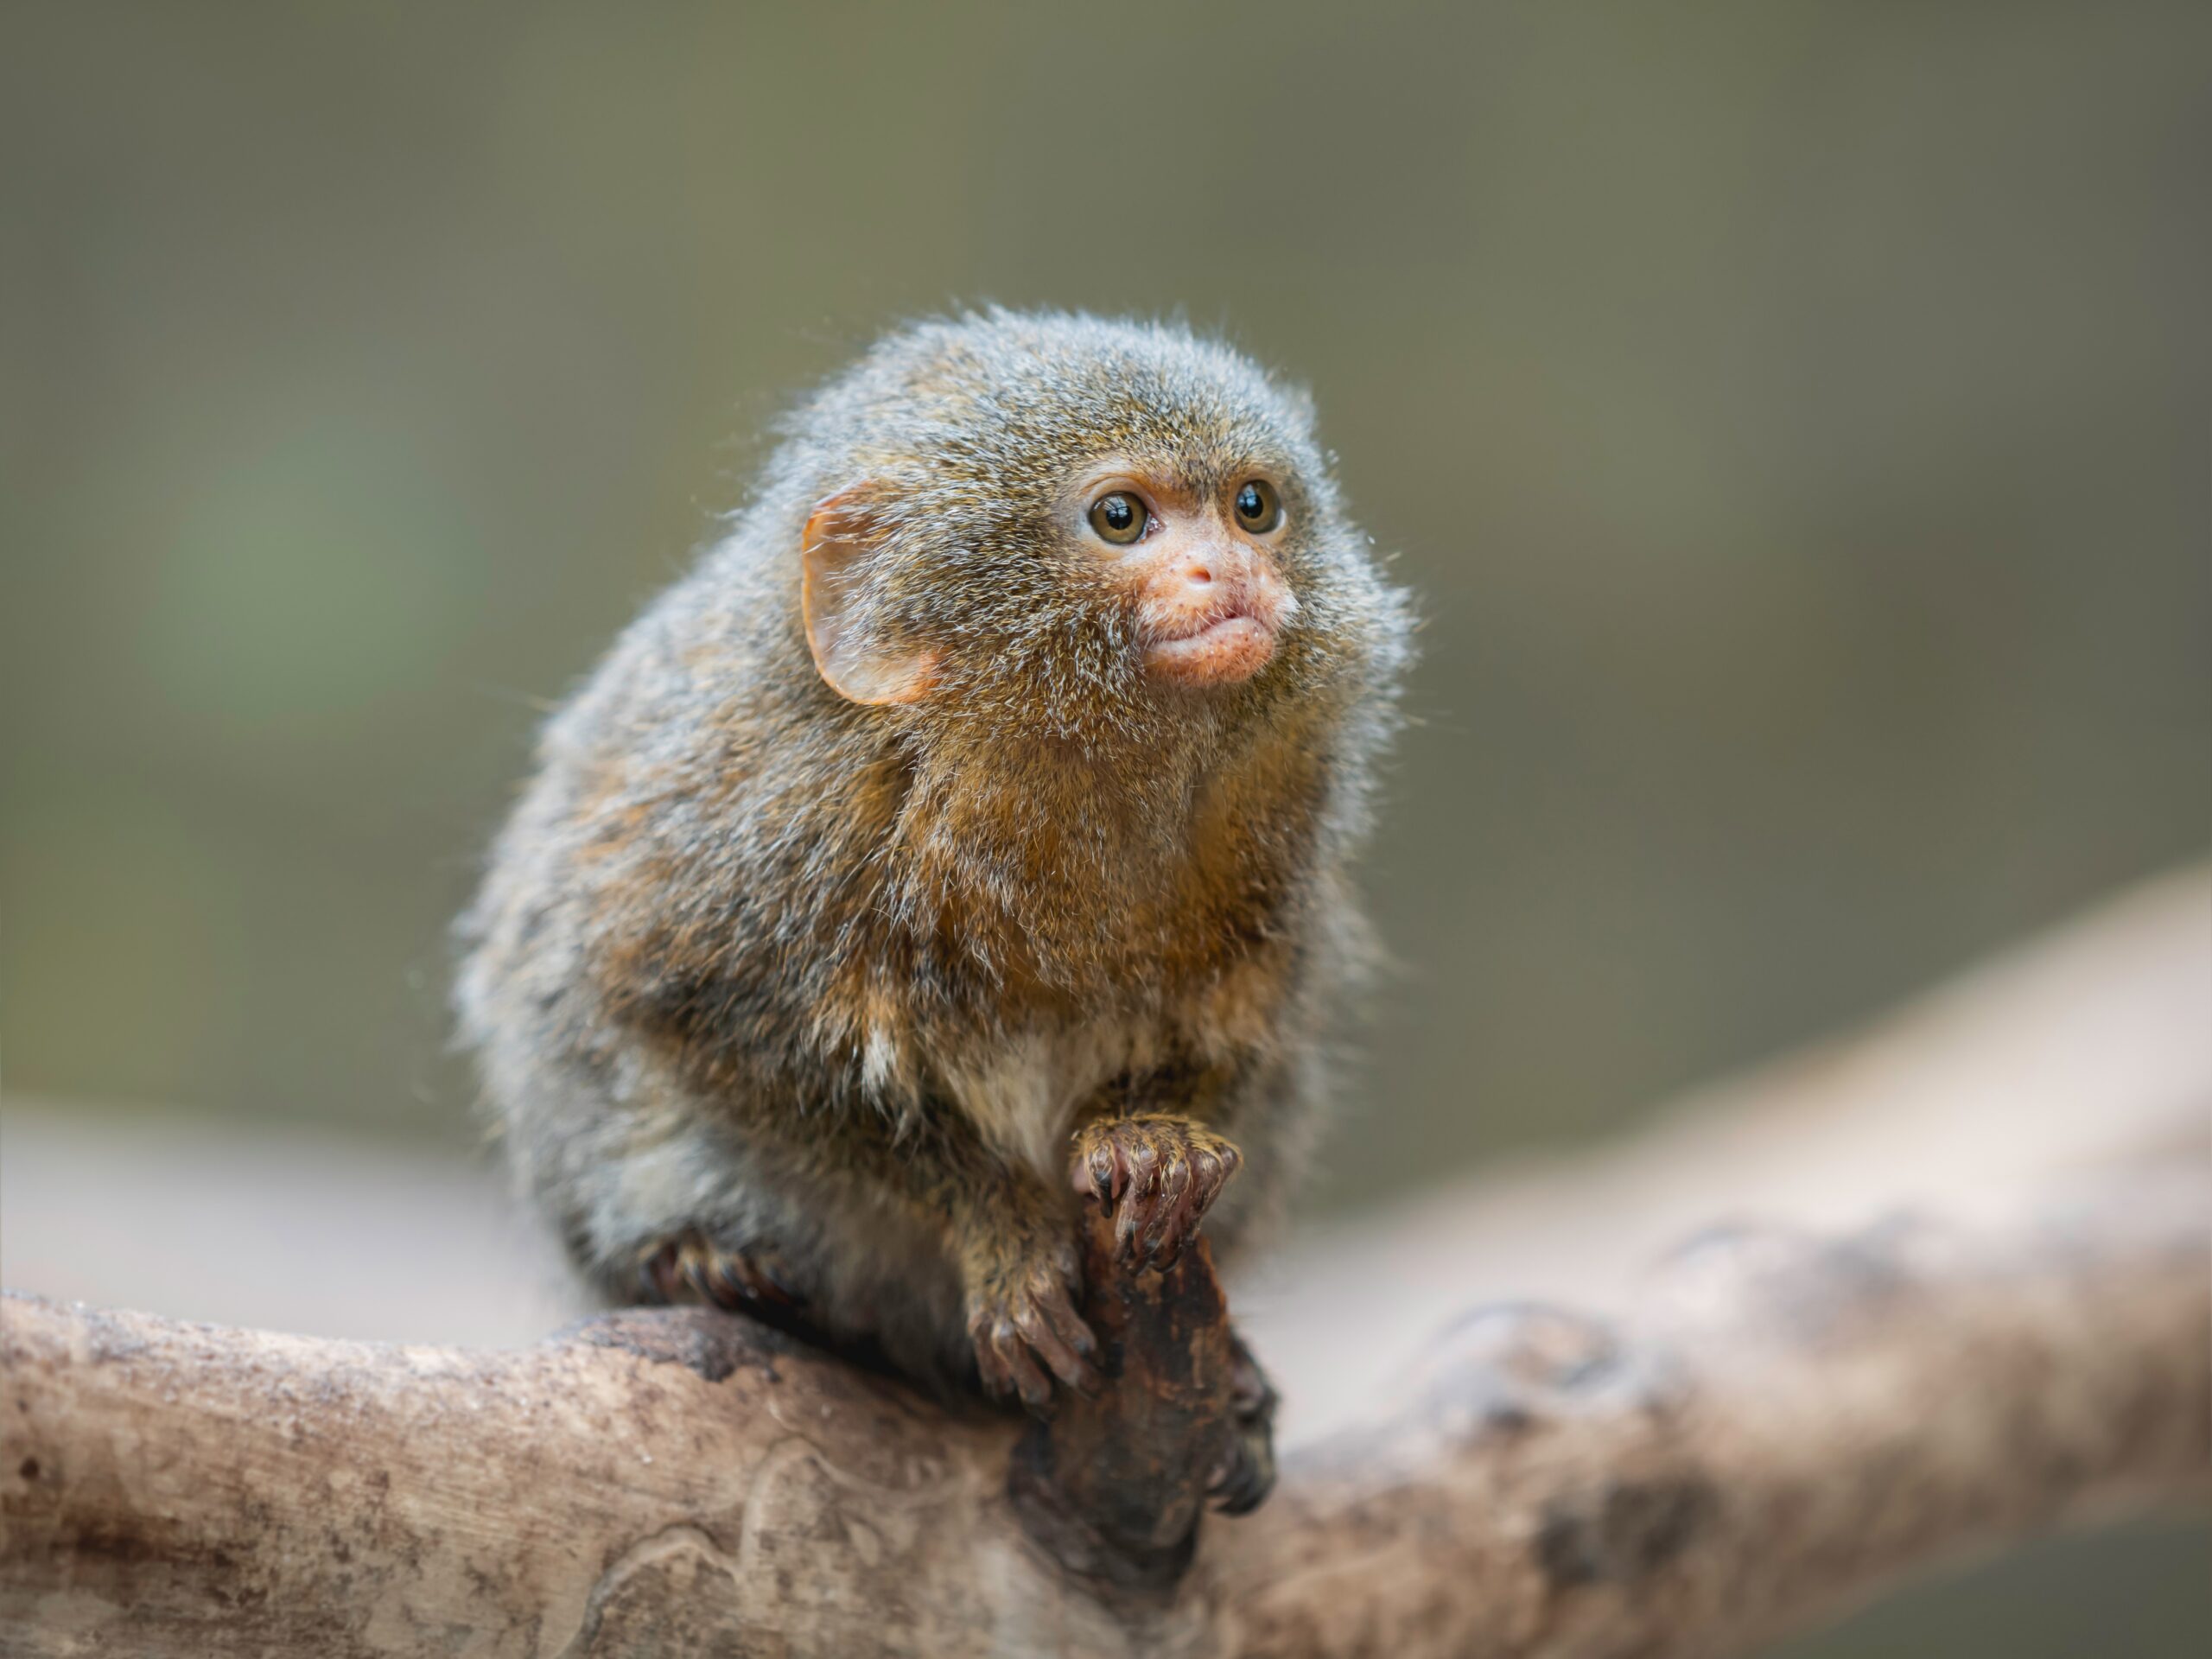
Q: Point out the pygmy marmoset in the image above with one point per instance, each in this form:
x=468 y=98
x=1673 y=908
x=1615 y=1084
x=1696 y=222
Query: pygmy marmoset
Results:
x=963 y=840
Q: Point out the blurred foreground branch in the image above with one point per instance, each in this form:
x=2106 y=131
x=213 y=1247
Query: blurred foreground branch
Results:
x=1786 y=1422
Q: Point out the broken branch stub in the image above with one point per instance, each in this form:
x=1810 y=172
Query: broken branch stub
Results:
x=1112 y=1484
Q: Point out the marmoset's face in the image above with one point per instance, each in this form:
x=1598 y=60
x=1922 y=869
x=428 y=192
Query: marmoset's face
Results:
x=1201 y=567
x=1137 y=568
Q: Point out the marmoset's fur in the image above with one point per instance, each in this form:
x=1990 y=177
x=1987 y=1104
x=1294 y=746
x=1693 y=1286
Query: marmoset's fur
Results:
x=965 y=834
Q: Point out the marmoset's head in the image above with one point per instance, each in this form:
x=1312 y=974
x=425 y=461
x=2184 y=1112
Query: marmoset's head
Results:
x=1058 y=521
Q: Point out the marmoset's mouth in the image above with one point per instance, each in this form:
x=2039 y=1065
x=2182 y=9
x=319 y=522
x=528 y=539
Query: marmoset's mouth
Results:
x=1223 y=650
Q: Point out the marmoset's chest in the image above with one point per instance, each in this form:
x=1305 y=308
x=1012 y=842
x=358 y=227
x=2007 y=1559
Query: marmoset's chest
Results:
x=1186 y=1054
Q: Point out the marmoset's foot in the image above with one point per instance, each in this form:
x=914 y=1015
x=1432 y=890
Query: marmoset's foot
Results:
x=1023 y=1319
x=1246 y=1470
x=691 y=1269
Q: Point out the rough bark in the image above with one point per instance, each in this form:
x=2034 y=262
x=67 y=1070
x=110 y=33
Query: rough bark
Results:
x=1788 y=1422
x=1111 y=1484
x=1781 y=1421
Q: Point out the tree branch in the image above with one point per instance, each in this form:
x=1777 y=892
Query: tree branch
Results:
x=1784 y=1422
x=1788 y=1423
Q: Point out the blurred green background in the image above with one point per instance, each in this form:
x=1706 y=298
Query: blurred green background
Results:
x=1794 y=417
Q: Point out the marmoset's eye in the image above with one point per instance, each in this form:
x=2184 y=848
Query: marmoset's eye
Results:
x=1119 y=517
x=1257 y=509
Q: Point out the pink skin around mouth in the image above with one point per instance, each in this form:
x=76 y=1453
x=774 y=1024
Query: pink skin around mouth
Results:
x=1228 y=650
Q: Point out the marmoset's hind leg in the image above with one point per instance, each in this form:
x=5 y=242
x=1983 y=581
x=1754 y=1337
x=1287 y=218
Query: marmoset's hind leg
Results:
x=759 y=1283
x=692 y=1269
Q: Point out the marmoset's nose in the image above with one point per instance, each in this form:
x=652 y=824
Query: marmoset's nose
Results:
x=1200 y=573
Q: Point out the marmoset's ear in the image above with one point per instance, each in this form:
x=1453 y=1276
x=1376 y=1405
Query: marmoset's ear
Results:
x=854 y=660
